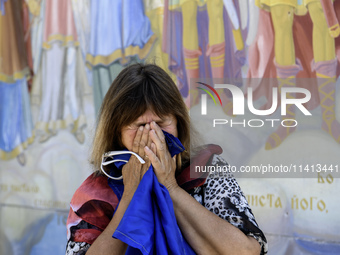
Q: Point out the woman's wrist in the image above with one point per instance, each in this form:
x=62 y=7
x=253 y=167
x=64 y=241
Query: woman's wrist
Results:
x=173 y=188
x=127 y=196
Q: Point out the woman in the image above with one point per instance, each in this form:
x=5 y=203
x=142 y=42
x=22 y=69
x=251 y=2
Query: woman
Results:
x=142 y=102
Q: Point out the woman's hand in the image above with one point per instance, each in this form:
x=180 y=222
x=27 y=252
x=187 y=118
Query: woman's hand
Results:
x=133 y=171
x=164 y=165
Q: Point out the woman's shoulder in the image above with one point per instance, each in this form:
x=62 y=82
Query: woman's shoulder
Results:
x=94 y=188
x=92 y=204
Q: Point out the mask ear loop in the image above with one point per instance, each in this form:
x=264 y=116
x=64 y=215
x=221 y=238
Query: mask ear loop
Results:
x=114 y=153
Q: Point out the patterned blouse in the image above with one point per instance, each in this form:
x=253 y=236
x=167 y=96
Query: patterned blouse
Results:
x=221 y=195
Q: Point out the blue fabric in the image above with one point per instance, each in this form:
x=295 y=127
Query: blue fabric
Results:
x=149 y=224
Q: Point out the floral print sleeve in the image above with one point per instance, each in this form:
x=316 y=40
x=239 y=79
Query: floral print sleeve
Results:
x=222 y=195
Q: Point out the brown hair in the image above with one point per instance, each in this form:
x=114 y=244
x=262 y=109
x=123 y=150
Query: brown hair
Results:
x=137 y=88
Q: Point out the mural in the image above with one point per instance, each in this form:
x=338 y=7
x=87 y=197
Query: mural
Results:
x=58 y=58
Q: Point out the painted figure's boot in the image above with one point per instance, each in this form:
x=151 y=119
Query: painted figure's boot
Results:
x=326 y=74
x=217 y=58
x=192 y=71
x=286 y=78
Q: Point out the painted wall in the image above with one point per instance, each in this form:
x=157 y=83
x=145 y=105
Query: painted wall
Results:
x=54 y=77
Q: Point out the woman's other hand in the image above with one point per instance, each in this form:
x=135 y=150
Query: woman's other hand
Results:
x=164 y=165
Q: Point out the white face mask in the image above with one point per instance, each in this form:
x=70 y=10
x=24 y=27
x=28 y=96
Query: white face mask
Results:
x=110 y=155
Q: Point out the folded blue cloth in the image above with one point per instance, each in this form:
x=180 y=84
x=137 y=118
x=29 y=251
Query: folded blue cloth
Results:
x=149 y=224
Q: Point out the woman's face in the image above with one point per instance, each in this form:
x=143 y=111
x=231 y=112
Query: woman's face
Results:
x=167 y=123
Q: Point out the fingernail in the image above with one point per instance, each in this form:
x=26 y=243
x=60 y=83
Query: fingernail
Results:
x=147 y=126
x=141 y=128
x=147 y=148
